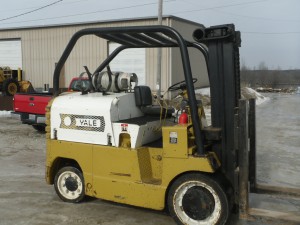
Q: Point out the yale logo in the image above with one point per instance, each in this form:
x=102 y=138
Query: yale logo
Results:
x=82 y=122
x=87 y=122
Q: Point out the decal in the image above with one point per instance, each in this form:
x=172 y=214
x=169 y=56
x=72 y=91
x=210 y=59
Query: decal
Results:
x=173 y=137
x=82 y=122
x=124 y=127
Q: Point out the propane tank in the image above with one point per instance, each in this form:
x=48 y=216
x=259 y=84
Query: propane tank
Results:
x=183 y=118
x=119 y=81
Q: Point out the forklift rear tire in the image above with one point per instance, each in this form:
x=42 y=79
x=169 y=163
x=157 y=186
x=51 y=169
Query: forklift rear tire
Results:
x=197 y=199
x=69 y=184
x=11 y=87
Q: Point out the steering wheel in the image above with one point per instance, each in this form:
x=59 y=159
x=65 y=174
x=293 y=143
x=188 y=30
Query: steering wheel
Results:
x=180 y=85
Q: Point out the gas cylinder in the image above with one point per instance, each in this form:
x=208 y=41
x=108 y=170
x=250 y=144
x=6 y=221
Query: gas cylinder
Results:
x=183 y=118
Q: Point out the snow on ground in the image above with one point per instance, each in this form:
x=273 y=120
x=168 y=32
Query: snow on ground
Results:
x=250 y=93
x=246 y=93
x=207 y=112
x=203 y=91
x=5 y=113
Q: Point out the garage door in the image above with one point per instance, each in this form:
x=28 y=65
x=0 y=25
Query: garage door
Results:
x=132 y=60
x=11 y=53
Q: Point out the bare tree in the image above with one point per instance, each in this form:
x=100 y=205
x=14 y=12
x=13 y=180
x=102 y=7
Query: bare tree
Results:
x=262 y=66
x=244 y=67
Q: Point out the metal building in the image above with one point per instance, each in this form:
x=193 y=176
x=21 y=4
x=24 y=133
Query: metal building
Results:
x=36 y=50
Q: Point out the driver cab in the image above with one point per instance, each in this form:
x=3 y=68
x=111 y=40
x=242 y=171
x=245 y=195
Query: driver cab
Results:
x=138 y=131
x=147 y=129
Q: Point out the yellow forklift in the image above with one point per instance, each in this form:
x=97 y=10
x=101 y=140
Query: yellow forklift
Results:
x=112 y=142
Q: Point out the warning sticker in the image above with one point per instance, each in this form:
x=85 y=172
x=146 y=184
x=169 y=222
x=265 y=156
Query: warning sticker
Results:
x=124 y=127
x=173 y=137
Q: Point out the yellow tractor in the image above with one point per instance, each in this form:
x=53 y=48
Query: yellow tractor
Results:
x=11 y=81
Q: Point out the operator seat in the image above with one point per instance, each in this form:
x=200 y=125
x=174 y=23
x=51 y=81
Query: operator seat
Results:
x=143 y=96
x=143 y=99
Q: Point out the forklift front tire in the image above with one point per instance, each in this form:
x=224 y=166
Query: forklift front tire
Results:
x=69 y=184
x=197 y=199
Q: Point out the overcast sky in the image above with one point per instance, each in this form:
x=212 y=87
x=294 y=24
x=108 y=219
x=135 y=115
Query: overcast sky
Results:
x=270 y=28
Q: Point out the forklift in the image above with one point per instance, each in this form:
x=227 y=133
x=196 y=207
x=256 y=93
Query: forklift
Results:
x=113 y=143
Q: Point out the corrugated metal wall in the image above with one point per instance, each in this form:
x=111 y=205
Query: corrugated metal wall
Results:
x=42 y=48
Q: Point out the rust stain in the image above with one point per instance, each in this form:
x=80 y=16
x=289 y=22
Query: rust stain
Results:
x=121 y=174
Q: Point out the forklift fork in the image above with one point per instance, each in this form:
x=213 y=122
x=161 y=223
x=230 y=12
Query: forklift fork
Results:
x=247 y=181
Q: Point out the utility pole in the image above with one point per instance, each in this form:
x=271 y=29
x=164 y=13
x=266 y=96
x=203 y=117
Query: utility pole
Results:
x=158 y=73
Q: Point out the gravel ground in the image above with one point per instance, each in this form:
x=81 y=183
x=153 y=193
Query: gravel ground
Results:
x=25 y=198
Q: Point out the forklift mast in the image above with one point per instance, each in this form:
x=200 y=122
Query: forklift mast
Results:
x=223 y=44
x=236 y=118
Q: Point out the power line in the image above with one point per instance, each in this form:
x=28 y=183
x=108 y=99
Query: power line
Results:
x=270 y=33
x=19 y=9
x=244 y=3
x=153 y=3
x=22 y=14
x=218 y=7
x=88 y=13
x=258 y=18
x=239 y=15
x=16 y=9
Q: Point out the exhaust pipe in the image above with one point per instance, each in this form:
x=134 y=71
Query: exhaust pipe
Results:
x=198 y=34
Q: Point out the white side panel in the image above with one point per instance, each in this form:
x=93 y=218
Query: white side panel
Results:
x=68 y=110
x=88 y=118
x=126 y=107
x=11 y=54
x=139 y=134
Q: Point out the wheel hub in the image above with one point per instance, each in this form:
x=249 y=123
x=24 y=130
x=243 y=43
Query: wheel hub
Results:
x=198 y=203
x=71 y=184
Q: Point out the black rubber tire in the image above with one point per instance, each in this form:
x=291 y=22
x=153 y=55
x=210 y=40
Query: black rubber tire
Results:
x=39 y=128
x=74 y=191
x=218 y=213
x=11 y=87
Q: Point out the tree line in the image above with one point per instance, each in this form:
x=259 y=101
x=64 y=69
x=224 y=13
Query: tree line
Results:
x=264 y=77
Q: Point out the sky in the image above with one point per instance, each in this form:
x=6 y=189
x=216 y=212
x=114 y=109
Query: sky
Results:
x=270 y=29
